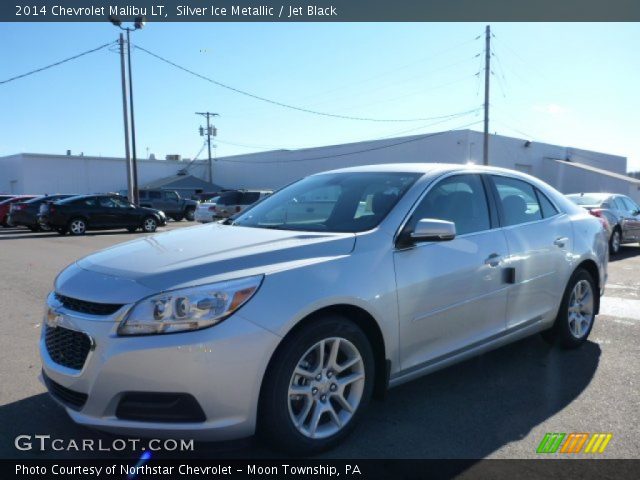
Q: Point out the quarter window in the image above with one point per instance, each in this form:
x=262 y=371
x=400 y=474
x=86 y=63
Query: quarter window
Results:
x=548 y=209
x=459 y=199
x=519 y=202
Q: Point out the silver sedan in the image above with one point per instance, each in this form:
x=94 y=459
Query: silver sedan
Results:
x=287 y=320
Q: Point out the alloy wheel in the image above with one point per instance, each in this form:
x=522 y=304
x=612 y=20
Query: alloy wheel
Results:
x=326 y=387
x=78 y=227
x=580 y=309
x=150 y=225
x=615 y=241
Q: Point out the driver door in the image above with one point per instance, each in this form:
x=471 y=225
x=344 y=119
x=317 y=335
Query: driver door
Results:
x=451 y=294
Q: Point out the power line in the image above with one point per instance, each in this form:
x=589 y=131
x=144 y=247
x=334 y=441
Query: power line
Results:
x=56 y=63
x=285 y=105
x=381 y=147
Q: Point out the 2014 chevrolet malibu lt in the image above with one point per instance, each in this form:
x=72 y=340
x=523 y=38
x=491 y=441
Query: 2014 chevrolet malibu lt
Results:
x=289 y=318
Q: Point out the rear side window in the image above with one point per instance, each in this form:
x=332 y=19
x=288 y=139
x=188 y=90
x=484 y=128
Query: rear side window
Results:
x=548 y=209
x=519 y=201
x=155 y=195
x=85 y=202
x=229 y=198
x=459 y=199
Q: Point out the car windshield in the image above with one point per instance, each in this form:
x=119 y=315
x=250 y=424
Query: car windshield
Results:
x=333 y=202
x=587 y=199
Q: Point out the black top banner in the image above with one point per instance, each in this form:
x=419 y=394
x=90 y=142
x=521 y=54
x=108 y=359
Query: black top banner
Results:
x=320 y=10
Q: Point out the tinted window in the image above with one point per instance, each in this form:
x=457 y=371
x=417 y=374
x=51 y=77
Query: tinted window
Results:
x=459 y=199
x=249 y=197
x=334 y=202
x=155 y=195
x=84 y=202
x=229 y=198
x=170 y=195
x=120 y=202
x=106 y=202
x=548 y=210
x=618 y=205
x=519 y=202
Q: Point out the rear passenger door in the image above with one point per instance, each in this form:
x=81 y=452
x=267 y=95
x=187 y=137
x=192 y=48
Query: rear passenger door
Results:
x=631 y=219
x=540 y=240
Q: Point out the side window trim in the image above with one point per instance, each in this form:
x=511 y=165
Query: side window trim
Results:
x=490 y=193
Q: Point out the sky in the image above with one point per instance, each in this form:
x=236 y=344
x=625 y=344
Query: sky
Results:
x=571 y=84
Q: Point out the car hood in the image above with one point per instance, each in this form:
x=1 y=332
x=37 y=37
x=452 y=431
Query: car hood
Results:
x=212 y=252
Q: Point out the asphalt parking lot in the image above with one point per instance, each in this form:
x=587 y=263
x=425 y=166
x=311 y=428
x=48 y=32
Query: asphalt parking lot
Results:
x=498 y=405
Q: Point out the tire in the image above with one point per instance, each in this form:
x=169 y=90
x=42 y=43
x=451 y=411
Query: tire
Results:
x=576 y=317
x=615 y=241
x=321 y=388
x=77 y=226
x=149 y=224
x=190 y=214
x=178 y=218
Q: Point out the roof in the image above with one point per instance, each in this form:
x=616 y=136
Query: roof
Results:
x=182 y=181
x=600 y=171
x=434 y=168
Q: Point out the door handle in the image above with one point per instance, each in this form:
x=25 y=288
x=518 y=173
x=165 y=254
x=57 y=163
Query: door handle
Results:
x=493 y=260
x=560 y=241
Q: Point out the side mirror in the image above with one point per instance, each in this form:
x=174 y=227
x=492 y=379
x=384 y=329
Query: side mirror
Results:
x=433 y=230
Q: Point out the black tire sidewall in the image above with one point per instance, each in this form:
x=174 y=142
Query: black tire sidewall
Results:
x=561 y=332
x=611 y=249
x=274 y=421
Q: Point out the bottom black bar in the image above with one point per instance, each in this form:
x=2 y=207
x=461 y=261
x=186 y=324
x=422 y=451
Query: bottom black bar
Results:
x=148 y=468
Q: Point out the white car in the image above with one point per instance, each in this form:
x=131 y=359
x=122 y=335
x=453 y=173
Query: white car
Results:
x=289 y=318
x=206 y=211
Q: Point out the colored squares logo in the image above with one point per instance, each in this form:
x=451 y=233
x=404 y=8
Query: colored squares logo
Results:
x=574 y=443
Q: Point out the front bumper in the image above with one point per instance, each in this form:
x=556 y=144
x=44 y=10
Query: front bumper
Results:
x=221 y=367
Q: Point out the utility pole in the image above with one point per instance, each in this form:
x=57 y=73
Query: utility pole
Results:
x=210 y=133
x=487 y=76
x=130 y=192
x=134 y=159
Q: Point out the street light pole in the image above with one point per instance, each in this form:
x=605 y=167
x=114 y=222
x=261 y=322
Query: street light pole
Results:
x=208 y=115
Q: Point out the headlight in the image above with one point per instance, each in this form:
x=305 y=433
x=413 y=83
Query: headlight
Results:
x=190 y=308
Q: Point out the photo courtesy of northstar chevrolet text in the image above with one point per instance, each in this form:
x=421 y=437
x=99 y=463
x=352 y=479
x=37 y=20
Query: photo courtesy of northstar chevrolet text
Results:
x=336 y=238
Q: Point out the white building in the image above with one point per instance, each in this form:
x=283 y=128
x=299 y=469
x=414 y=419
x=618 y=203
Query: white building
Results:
x=43 y=173
x=568 y=169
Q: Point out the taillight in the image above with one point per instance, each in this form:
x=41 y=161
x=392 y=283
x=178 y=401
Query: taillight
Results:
x=596 y=212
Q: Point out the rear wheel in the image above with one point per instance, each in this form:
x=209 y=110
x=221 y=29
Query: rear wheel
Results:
x=577 y=312
x=615 y=241
x=149 y=225
x=77 y=226
x=317 y=386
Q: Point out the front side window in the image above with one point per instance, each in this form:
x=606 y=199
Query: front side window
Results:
x=171 y=196
x=106 y=202
x=333 y=202
x=519 y=201
x=460 y=199
x=155 y=195
x=630 y=205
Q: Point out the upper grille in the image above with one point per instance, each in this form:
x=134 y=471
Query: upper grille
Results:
x=83 y=306
x=71 y=398
x=67 y=347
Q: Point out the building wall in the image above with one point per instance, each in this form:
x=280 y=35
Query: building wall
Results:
x=76 y=174
x=11 y=179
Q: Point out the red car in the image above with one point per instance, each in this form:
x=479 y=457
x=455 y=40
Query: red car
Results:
x=5 y=204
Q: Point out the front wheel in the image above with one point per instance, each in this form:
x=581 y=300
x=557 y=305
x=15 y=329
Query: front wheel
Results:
x=190 y=214
x=149 y=225
x=577 y=312
x=317 y=386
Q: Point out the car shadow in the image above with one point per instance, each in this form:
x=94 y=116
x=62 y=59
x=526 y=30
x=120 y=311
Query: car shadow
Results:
x=469 y=410
x=626 y=251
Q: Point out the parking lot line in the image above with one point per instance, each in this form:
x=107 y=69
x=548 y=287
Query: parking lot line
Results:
x=620 y=307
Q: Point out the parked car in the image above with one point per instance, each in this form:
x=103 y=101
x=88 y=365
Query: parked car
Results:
x=26 y=213
x=234 y=202
x=206 y=211
x=6 y=203
x=170 y=202
x=76 y=215
x=620 y=211
x=288 y=319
